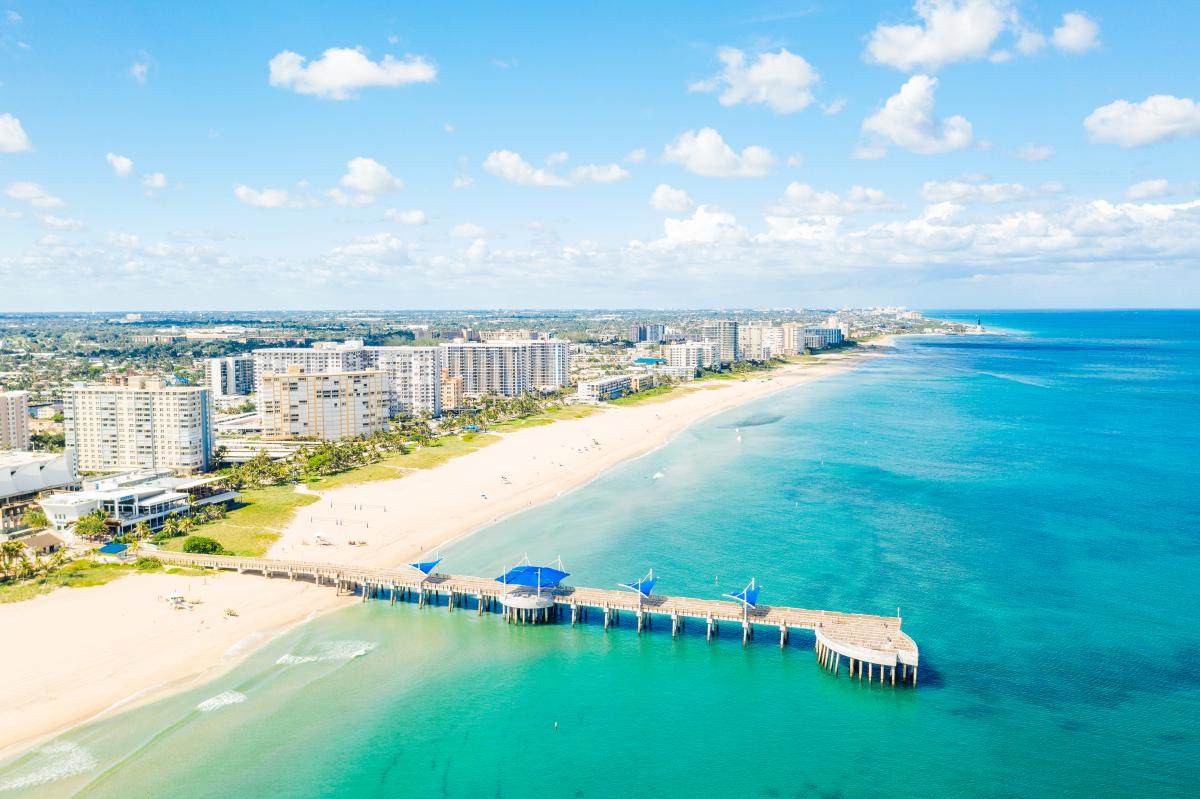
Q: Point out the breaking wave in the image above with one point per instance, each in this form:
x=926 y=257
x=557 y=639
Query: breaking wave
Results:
x=65 y=760
x=220 y=701
x=330 y=650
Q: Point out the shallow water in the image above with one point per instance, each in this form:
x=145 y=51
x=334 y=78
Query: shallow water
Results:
x=1028 y=502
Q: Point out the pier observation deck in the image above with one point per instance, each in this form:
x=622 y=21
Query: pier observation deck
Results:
x=873 y=647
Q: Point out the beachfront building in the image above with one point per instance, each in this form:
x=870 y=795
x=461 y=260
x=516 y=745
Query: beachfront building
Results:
x=792 y=335
x=14 y=420
x=232 y=376
x=452 y=391
x=494 y=367
x=653 y=333
x=760 y=342
x=323 y=356
x=143 y=424
x=549 y=363
x=414 y=377
x=604 y=388
x=723 y=334
x=692 y=355
x=325 y=405
x=26 y=476
x=817 y=338
x=129 y=498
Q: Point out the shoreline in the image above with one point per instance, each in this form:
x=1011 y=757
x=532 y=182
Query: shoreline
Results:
x=108 y=667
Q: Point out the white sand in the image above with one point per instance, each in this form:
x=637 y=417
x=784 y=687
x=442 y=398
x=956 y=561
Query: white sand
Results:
x=76 y=653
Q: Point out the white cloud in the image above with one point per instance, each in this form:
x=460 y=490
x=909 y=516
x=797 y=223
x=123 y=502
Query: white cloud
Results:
x=368 y=176
x=60 y=223
x=140 y=71
x=1150 y=189
x=6 y=213
x=12 y=135
x=795 y=160
x=706 y=153
x=960 y=191
x=835 y=107
x=780 y=80
x=636 y=156
x=801 y=199
x=1034 y=152
x=341 y=71
x=667 y=198
x=447 y=127
x=411 y=217
x=1157 y=118
x=32 y=193
x=949 y=31
x=155 y=180
x=342 y=198
x=477 y=251
x=708 y=224
x=907 y=120
x=512 y=167
x=1077 y=34
x=122 y=167
x=1030 y=41
x=268 y=198
x=464 y=182
x=13 y=17
x=373 y=251
x=557 y=158
x=467 y=230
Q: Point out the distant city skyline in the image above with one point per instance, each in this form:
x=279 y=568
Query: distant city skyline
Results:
x=947 y=154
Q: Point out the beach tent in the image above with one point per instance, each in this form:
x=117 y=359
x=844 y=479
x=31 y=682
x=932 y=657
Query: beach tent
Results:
x=748 y=596
x=643 y=586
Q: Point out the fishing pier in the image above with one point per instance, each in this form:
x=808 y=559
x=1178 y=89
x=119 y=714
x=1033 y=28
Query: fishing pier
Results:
x=870 y=648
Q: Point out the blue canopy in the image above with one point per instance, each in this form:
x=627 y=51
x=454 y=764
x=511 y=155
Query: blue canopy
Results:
x=426 y=566
x=748 y=596
x=529 y=576
x=643 y=586
x=113 y=549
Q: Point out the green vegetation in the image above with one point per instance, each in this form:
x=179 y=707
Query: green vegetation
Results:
x=254 y=522
x=203 y=545
x=80 y=574
x=656 y=394
x=557 y=413
x=35 y=518
x=92 y=525
x=436 y=453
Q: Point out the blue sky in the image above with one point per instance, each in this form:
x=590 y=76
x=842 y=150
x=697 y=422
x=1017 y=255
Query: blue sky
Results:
x=953 y=153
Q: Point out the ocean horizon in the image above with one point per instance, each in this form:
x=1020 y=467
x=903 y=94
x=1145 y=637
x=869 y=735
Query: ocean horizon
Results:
x=1025 y=500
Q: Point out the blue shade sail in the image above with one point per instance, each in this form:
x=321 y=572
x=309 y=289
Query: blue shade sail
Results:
x=748 y=596
x=426 y=567
x=643 y=586
x=533 y=576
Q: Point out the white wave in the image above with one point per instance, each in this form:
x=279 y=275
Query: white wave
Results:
x=243 y=644
x=221 y=700
x=329 y=650
x=658 y=475
x=66 y=760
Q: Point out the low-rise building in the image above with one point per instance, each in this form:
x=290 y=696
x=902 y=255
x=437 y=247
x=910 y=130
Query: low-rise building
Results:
x=26 y=476
x=603 y=389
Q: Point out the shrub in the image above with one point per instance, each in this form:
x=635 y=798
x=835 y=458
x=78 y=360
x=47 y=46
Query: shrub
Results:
x=203 y=545
x=147 y=564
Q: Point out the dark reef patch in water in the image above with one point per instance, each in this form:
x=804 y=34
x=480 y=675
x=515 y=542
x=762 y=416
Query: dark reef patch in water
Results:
x=754 y=420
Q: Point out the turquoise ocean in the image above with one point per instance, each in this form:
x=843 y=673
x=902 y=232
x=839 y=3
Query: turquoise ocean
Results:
x=1028 y=502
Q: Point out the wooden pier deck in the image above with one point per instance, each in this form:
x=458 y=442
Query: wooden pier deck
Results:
x=871 y=645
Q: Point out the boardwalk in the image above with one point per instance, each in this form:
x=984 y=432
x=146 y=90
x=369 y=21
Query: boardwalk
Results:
x=873 y=647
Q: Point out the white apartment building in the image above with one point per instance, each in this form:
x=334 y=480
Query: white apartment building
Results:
x=549 y=363
x=604 y=388
x=143 y=424
x=692 y=354
x=414 y=372
x=231 y=376
x=760 y=342
x=816 y=338
x=324 y=405
x=494 y=367
x=414 y=377
x=14 y=420
x=724 y=334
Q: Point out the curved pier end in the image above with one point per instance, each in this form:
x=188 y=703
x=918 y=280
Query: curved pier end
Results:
x=870 y=645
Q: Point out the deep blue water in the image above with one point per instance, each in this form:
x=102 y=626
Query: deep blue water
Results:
x=1028 y=501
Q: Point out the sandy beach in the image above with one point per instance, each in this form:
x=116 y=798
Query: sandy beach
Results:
x=81 y=652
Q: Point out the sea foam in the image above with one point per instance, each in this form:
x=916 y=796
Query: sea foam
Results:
x=65 y=760
x=329 y=650
x=220 y=701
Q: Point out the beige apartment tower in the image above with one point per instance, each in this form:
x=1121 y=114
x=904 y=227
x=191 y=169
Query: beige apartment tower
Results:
x=14 y=420
x=322 y=405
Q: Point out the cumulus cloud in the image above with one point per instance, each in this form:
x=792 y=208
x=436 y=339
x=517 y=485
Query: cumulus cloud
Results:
x=61 y=223
x=557 y=158
x=708 y=224
x=368 y=176
x=1078 y=33
x=801 y=199
x=155 y=180
x=961 y=191
x=949 y=31
x=907 y=120
x=12 y=136
x=667 y=198
x=140 y=71
x=1150 y=189
x=29 y=192
x=635 y=156
x=122 y=167
x=1157 y=118
x=268 y=198
x=341 y=71
x=510 y=166
x=467 y=230
x=411 y=217
x=706 y=153
x=780 y=80
x=835 y=107
x=1034 y=152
